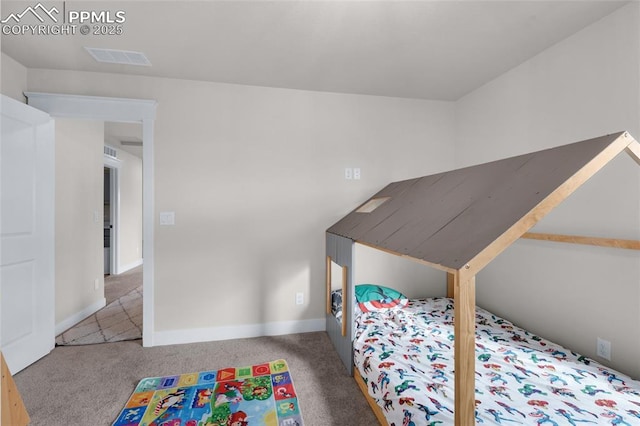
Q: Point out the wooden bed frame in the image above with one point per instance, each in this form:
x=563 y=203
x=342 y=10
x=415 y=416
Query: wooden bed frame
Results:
x=365 y=391
x=377 y=227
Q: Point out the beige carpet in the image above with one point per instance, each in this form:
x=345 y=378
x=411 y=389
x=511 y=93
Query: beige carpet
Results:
x=119 y=320
x=89 y=385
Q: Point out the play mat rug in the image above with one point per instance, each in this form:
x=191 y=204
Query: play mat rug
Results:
x=247 y=396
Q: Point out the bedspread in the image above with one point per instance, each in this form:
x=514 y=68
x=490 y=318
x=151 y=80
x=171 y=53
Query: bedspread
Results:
x=406 y=358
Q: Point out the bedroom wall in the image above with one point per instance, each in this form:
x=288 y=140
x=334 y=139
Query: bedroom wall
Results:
x=13 y=78
x=255 y=175
x=130 y=211
x=412 y=278
x=583 y=87
x=79 y=220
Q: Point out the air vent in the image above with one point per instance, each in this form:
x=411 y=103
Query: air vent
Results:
x=131 y=143
x=113 y=56
x=110 y=152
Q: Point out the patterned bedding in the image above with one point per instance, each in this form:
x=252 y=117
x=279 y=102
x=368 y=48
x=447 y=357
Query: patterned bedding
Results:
x=406 y=358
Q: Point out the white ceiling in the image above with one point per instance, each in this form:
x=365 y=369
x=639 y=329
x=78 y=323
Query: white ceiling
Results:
x=437 y=50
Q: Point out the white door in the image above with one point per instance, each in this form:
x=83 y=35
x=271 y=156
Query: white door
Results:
x=27 y=202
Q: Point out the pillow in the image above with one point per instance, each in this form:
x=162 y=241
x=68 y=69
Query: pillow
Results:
x=372 y=297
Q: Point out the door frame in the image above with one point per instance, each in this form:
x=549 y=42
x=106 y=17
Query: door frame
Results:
x=128 y=111
x=114 y=213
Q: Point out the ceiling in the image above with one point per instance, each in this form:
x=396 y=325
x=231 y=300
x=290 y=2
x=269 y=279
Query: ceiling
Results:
x=438 y=50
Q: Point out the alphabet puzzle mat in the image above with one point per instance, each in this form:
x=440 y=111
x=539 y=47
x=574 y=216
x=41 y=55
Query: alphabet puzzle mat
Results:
x=247 y=396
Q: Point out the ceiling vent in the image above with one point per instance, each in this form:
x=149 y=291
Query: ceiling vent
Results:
x=110 y=152
x=113 y=56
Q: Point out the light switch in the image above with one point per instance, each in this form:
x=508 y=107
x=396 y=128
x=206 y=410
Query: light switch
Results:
x=348 y=173
x=167 y=218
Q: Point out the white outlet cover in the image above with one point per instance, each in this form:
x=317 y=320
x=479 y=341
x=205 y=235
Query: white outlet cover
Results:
x=348 y=173
x=603 y=349
x=356 y=173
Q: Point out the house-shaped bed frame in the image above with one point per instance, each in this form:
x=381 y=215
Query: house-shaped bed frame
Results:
x=458 y=222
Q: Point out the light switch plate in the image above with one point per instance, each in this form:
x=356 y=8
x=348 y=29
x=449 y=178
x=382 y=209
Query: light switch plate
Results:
x=167 y=218
x=348 y=173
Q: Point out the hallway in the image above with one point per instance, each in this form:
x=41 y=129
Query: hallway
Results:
x=120 y=319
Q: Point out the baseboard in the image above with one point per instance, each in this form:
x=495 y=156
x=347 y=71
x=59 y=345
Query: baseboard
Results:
x=129 y=266
x=195 y=335
x=74 y=319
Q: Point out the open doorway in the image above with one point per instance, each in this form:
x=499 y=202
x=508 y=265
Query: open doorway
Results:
x=123 y=221
x=119 y=181
x=141 y=111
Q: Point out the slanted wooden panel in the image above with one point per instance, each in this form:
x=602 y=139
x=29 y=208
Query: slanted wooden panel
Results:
x=13 y=411
x=448 y=219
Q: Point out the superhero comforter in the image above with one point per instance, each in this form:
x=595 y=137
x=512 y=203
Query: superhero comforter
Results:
x=405 y=356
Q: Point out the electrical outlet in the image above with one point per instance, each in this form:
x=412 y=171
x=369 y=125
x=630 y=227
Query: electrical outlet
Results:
x=299 y=298
x=348 y=173
x=96 y=284
x=356 y=173
x=603 y=349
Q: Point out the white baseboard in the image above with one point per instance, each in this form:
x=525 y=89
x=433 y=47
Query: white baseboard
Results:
x=72 y=320
x=129 y=266
x=195 y=335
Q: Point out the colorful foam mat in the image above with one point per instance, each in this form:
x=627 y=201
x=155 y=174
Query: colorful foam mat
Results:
x=260 y=394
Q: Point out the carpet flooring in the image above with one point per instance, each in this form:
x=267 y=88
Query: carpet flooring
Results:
x=119 y=320
x=88 y=385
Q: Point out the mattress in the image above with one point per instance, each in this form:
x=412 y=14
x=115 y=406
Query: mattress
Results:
x=405 y=356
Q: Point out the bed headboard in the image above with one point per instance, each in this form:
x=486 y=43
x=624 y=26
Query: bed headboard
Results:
x=340 y=250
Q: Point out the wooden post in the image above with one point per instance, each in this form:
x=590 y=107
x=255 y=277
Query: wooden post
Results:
x=13 y=411
x=464 y=349
x=451 y=280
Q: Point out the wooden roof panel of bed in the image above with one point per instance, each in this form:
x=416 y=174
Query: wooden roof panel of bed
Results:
x=448 y=219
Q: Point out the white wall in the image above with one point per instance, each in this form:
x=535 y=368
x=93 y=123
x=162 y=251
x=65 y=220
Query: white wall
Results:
x=412 y=278
x=130 y=175
x=583 y=87
x=13 y=78
x=255 y=176
x=79 y=220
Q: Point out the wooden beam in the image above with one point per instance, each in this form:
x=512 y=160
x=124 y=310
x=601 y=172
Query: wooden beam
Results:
x=451 y=285
x=633 y=149
x=592 y=241
x=13 y=411
x=365 y=391
x=464 y=349
x=490 y=252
